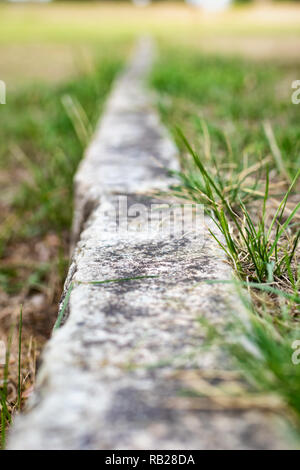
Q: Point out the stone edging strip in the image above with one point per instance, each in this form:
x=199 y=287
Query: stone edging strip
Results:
x=113 y=374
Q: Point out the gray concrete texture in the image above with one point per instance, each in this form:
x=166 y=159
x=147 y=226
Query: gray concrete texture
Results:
x=113 y=375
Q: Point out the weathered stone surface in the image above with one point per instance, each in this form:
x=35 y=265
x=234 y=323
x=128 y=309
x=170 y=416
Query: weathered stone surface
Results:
x=111 y=375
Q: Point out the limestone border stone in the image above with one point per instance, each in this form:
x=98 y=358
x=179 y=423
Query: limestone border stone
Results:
x=114 y=374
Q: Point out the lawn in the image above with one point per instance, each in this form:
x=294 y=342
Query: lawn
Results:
x=225 y=81
x=45 y=126
x=239 y=137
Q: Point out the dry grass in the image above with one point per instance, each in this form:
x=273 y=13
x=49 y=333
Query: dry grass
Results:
x=274 y=48
x=51 y=63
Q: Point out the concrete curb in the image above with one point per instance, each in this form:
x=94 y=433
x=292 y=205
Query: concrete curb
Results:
x=112 y=375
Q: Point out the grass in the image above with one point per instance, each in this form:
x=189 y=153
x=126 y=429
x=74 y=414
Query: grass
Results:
x=5 y=412
x=240 y=156
x=266 y=256
x=8 y=406
x=263 y=349
x=45 y=145
x=40 y=148
x=19 y=403
x=234 y=97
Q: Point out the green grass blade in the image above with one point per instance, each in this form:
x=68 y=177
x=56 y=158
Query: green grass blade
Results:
x=282 y=205
x=64 y=306
x=122 y=279
x=19 y=359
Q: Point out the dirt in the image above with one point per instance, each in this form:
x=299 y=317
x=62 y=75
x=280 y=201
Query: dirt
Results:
x=39 y=299
x=278 y=49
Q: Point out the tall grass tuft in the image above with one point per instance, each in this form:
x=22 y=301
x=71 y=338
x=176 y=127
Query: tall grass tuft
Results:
x=8 y=409
x=259 y=252
x=5 y=412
